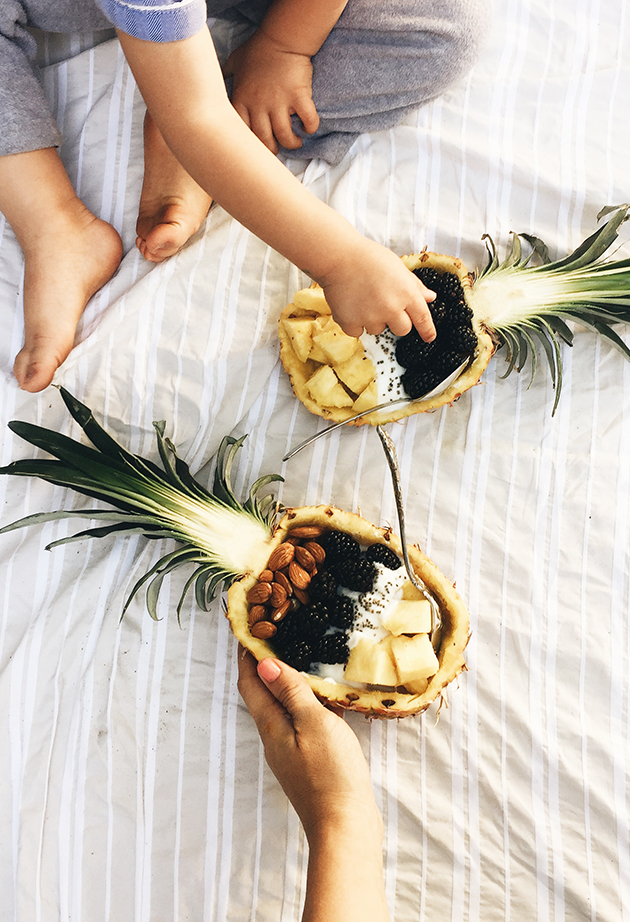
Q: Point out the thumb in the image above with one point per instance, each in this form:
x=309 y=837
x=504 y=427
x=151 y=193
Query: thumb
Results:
x=291 y=690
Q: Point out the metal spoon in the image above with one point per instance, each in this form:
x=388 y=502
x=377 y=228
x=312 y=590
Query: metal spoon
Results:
x=392 y=460
x=381 y=406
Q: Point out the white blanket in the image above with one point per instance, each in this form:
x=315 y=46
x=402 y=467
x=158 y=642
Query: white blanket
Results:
x=132 y=780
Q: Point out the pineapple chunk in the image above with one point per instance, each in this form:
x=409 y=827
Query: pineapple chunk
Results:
x=356 y=373
x=371 y=663
x=336 y=346
x=310 y=300
x=414 y=658
x=366 y=399
x=325 y=389
x=300 y=333
x=409 y=618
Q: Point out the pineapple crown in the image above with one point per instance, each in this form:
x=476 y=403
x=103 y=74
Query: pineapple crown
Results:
x=220 y=536
x=519 y=303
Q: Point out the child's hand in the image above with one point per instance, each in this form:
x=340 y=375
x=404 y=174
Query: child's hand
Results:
x=313 y=753
x=271 y=84
x=373 y=290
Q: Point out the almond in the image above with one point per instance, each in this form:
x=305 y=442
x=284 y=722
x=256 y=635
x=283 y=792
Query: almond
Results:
x=278 y=595
x=307 y=531
x=280 y=578
x=281 y=557
x=278 y=613
x=298 y=576
x=256 y=613
x=316 y=551
x=259 y=594
x=305 y=558
x=266 y=576
x=301 y=596
x=263 y=630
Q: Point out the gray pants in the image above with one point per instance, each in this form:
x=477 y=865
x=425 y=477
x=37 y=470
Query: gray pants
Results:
x=383 y=59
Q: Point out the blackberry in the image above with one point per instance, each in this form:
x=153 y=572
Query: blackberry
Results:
x=412 y=351
x=333 y=648
x=450 y=287
x=314 y=620
x=429 y=277
x=380 y=553
x=300 y=655
x=342 y=614
x=355 y=573
x=418 y=383
x=323 y=586
x=339 y=546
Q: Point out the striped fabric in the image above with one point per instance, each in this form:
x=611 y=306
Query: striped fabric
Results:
x=156 y=20
x=132 y=781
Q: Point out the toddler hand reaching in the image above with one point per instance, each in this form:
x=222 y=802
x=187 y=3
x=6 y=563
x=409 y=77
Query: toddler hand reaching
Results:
x=317 y=759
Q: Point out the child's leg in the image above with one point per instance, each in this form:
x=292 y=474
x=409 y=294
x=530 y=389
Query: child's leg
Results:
x=172 y=205
x=68 y=255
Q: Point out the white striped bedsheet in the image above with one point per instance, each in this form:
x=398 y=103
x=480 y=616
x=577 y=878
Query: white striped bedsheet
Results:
x=133 y=784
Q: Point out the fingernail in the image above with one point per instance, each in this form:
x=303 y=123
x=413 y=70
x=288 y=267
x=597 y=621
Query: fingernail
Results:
x=269 y=670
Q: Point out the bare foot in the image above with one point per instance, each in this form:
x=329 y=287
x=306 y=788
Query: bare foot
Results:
x=75 y=257
x=172 y=205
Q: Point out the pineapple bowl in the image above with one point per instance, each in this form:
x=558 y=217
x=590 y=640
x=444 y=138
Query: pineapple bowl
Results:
x=511 y=304
x=320 y=588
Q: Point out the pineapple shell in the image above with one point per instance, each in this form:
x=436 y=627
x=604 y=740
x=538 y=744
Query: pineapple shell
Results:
x=300 y=372
x=371 y=702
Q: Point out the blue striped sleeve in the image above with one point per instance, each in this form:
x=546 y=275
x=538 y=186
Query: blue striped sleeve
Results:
x=156 y=20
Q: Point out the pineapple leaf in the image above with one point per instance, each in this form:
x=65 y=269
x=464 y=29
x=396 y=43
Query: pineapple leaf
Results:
x=103 y=532
x=102 y=440
x=595 y=245
x=181 y=555
x=539 y=248
x=559 y=327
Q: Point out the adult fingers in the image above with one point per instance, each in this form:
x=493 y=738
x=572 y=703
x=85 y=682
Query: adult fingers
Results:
x=261 y=704
x=292 y=691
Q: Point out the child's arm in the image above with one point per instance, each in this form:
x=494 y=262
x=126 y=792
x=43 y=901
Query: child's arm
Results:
x=366 y=285
x=272 y=70
x=319 y=763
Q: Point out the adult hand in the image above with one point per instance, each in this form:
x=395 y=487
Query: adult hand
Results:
x=312 y=751
x=272 y=83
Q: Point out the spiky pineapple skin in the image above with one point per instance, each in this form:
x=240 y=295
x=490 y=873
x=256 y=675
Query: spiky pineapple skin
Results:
x=299 y=372
x=372 y=703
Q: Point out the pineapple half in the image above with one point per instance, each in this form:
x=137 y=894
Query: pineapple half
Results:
x=511 y=304
x=232 y=543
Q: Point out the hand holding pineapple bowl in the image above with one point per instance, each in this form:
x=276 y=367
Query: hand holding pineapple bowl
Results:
x=321 y=588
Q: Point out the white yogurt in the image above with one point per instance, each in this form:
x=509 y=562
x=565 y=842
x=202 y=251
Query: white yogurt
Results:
x=381 y=350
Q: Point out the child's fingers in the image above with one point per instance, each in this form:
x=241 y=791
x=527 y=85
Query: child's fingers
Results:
x=283 y=130
x=243 y=111
x=260 y=123
x=422 y=321
x=305 y=109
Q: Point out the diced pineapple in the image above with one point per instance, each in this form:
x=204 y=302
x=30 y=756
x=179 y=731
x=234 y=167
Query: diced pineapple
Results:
x=371 y=663
x=356 y=372
x=310 y=300
x=414 y=658
x=366 y=399
x=300 y=333
x=409 y=617
x=324 y=387
x=336 y=346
